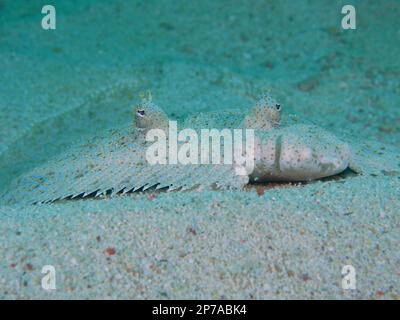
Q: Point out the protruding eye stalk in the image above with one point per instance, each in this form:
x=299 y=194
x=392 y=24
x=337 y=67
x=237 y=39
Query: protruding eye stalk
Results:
x=278 y=106
x=140 y=112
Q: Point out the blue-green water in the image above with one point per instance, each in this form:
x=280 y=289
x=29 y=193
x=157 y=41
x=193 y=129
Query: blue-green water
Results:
x=62 y=86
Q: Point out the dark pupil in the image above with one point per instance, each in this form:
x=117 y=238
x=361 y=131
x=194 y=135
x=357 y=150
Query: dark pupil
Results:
x=278 y=106
x=141 y=112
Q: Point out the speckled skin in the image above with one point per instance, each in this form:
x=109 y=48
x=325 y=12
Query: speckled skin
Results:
x=294 y=153
x=149 y=115
x=298 y=153
x=116 y=163
x=265 y=115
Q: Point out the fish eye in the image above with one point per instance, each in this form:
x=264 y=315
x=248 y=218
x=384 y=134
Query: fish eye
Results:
x=278 y=106
x=140 y=112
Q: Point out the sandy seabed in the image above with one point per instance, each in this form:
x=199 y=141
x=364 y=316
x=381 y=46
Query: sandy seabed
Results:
x=269 y=241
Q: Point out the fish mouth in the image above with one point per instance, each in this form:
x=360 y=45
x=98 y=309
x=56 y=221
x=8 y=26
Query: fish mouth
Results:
x=333 y=165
